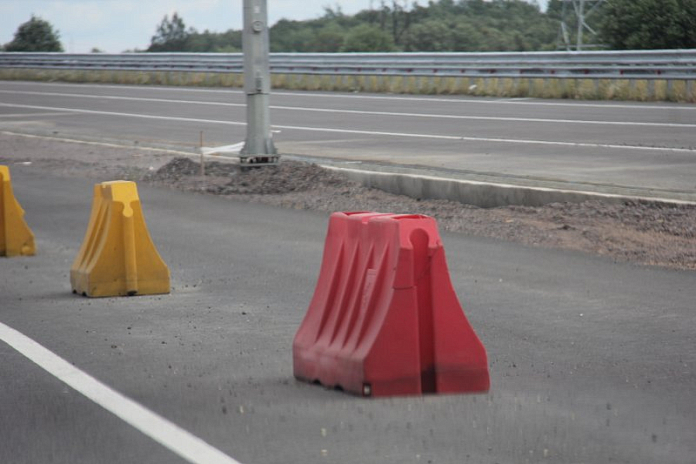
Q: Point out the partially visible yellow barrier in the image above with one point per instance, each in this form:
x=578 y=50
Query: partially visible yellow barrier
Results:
x=117 y=256
x=15 y=236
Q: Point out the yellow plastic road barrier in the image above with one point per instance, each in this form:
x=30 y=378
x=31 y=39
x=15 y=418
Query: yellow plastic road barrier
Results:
x=117 y=256
x=16 y=239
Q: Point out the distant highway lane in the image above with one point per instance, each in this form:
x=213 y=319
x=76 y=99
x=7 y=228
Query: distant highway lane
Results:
x=650 y=145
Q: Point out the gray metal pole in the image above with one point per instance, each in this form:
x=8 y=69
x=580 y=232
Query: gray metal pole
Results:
x=258 y=147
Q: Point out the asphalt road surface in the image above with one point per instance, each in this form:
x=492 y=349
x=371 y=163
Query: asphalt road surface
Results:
x=591 y=361
x=644 y=145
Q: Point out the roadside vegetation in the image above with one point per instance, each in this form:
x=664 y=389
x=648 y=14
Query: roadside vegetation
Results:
x=451 y=26
x=36 y=35
x=436 y=26
x=444 y=25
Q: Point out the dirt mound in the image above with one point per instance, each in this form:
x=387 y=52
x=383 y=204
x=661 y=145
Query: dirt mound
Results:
x=176 y=169
x=286 y=177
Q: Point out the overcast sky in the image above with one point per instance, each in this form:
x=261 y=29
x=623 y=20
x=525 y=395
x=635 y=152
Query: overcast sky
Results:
x=117 y=25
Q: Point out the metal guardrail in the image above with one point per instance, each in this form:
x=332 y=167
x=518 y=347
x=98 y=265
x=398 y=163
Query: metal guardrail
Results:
x=652 y=64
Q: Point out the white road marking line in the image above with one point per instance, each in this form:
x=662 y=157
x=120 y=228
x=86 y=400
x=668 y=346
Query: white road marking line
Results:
x=100 y=144
x=459 y=99
x=116 y=145
x=27 y=115
x=364 y=132
x=130 y=115
x=485 y=139
x=360 y=112
x=164 y=432
x=488 y=118
x=119 y=97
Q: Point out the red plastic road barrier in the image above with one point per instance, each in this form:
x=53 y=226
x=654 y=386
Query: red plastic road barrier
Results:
x=384 y=319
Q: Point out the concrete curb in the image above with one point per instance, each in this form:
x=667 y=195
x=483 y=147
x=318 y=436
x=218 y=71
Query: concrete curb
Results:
x=487 y=194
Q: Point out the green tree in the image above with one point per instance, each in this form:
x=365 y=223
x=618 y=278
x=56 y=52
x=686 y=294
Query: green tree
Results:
x=432 y=35
x=366 y=38
x=649 y=24
x=554 y=9
x=230 y=41
x=440 y=25
x=466 y=37
x=290 y=36
x=328 y=39
x=199 y=42
x=171 y=35
x=36 y=35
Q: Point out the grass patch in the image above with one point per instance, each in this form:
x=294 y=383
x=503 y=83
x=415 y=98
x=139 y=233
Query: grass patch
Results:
x=682 y=91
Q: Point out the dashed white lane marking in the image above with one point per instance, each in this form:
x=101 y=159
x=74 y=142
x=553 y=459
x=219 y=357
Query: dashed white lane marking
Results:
x=362 y=112
x=364 y=132
x=360 y=96
x=164 y=432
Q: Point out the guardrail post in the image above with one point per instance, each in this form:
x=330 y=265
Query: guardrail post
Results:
x=258 y=147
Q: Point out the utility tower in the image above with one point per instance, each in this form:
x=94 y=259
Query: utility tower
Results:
x=574 y=17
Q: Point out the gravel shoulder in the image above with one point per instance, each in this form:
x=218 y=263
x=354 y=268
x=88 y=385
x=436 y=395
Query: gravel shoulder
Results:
x=646 y=233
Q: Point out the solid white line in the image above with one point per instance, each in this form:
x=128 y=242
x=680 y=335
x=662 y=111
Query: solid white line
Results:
x=360 y=112
x=484 y=139
x=130 y=115
x=99 y=144
x=364 y=132
x=119 y=97
x=29 y=115
x=453 y=99
x=460 y=100
x=121 y=146
x=487 y=118
x=164 y=432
